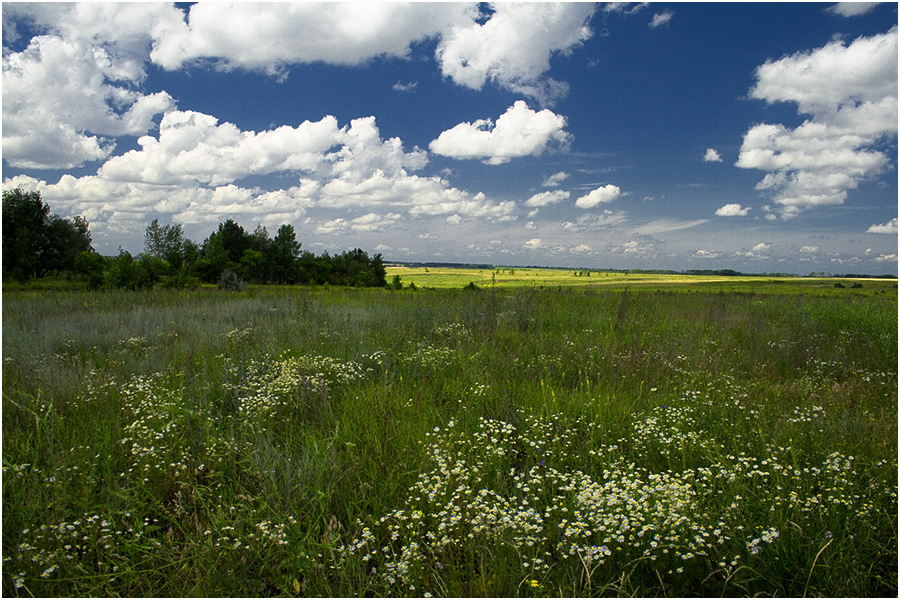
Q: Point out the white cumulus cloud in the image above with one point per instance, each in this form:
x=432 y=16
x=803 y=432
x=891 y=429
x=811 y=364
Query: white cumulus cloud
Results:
x=732 y=210
x=94 y=57
x=712 y=155
x=547 y=198
x=602 y=195
x=74 y=89
x=849 y=93
x=332 y=227
x=706 y=253
x=375 y=222
x=270 y=37
x=512 y=49
x=518 y=132
x=889 y=228
x=193 y=171
x=194 y=147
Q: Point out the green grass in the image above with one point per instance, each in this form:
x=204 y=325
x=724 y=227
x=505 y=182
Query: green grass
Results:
x=514 y=441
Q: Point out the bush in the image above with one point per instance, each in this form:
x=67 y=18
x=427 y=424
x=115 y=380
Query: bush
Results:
x=125 y=272
x=91 y=265
x=395 y=284
x=231 y=281
x=181 y=280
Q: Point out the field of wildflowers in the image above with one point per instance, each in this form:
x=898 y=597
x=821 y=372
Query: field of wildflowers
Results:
x=510 y=442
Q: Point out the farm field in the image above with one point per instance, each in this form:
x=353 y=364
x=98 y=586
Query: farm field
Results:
x=506 y=277
x=675 y=438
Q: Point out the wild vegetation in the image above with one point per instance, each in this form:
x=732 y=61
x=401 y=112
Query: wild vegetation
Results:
x=34 y=241
x=502 y=442
x=37 y=244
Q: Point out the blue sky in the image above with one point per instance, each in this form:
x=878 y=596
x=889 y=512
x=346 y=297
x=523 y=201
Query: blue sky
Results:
x=760 y=137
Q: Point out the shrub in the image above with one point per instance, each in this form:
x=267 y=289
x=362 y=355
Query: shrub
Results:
x=231 y=281
x=125 y=272
x=181 y=280
x=91 y=265
x=395 y=284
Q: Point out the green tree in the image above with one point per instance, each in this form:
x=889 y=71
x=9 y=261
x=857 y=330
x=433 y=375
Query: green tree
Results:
x=165 y=242
x=25 y=219
x=259 y=239
x=223 y=249
x=212 y=259
x=255 y=262
x=253 y=265
x=191 y=252
x=307 y=268
x=284 y=252
x=357 y=269
x=234 y=240
x=91 y=265
x=66 y=240
x=36 y=242
x=125 y=272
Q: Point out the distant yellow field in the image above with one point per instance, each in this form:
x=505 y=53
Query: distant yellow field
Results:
x=452 y=277
x=446 y=277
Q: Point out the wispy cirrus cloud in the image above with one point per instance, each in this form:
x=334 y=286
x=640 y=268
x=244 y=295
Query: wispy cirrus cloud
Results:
x=405 y=87
x=662 y=18
x=555 y=180
x=852 y=9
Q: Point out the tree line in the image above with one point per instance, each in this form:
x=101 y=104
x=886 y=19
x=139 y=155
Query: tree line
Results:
x=36 y=244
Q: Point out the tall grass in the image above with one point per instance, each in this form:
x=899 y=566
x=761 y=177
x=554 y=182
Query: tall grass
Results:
x=501 y=442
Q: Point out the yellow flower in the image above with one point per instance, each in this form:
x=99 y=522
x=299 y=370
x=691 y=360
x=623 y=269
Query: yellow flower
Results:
x=534 y=583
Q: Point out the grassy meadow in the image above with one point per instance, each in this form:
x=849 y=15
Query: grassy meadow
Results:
x=664 y=438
